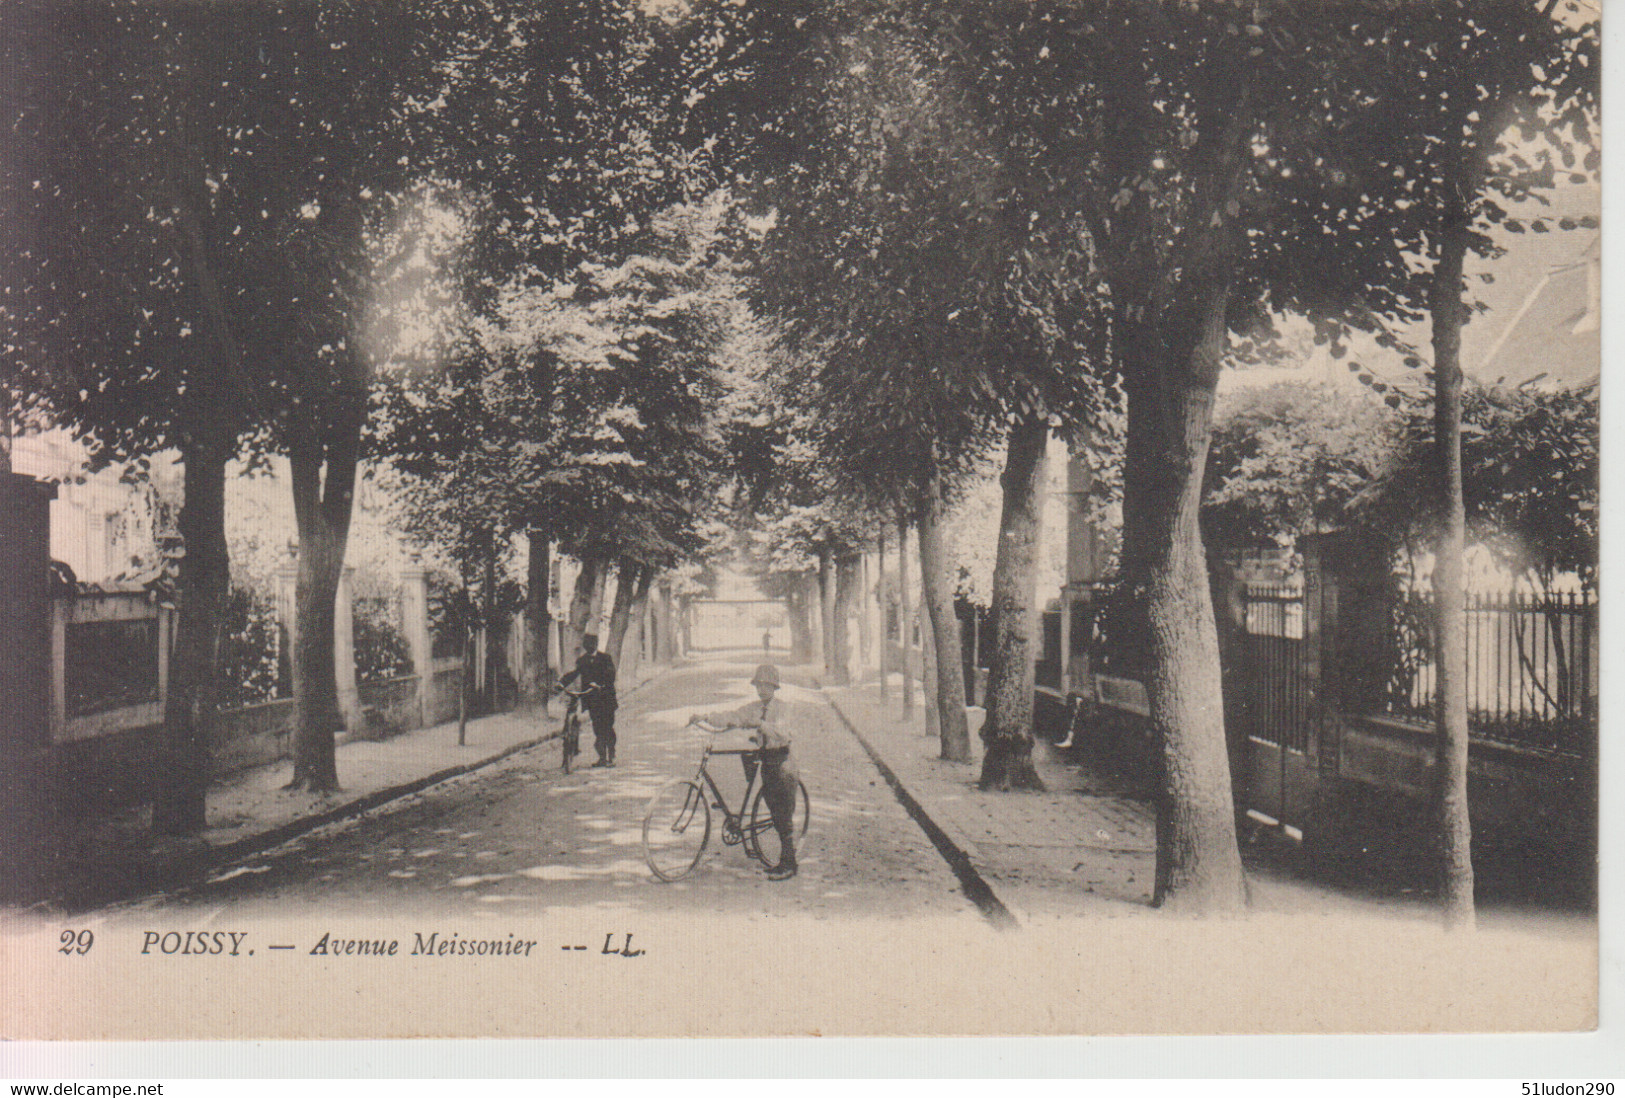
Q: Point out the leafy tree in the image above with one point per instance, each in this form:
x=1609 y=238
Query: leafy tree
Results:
x=582 y=411
x=1151 y=125
x=800 y=528
x=1494 y=98
x=1466 y=110
x=1529 y=489
x=103 y=298
x=1228 y=163
x=555 y=121
x=1530 y=470
x=797 y=543
x=1290 y=459
x=249 y=647
x=933 y=319
x=196 y=182
x=1295 y=458
x=631 y=371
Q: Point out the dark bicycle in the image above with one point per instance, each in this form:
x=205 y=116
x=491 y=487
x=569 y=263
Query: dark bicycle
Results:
x=677 y=827
x=571 y=734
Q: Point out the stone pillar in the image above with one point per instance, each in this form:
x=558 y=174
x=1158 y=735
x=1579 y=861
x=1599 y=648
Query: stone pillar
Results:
x=166 y=641
x=97 y=566
x=1078 y=671
x=883 y=610
x=60 y=608
x=928 y=672
x=415 y=624
x=1065 y=654
x=1320 y=639
x=355 y=722
x=1229 y=586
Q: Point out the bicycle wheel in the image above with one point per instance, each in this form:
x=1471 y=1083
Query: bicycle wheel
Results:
x=676 y=829
x=762 y=839
x=572 y=740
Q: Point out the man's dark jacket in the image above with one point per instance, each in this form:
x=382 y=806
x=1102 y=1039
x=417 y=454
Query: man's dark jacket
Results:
x=595 y=669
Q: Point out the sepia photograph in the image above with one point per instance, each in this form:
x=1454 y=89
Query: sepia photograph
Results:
x=799 y=518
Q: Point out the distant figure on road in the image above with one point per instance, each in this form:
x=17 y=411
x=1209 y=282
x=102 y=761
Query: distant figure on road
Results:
x=767 y=640
x=766 y=718
x=597 y=673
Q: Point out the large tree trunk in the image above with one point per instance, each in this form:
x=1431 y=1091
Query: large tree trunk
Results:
x=600 y=587
x=826 y=611
x=539 y=672
x=179 y=802
x=905 y=617
x=493 y=637
x=1008 y=733
x=881 y=597
x=580 y=613
x=665 y=626
x=939 y=604
x=627 y=577
x=189 y=712
x=1450 y=657
x=861 y=609
x=322 y=506
x=1173 y=367
x=848 y=584
x=639 y=631
x=799 y=602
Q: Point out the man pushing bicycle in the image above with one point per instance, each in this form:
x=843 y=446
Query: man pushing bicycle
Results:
x=597 y=674
x=766 y=719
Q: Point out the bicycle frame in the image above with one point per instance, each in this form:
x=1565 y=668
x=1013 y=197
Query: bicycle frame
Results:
x=573 y=707
x=732 y=821
x=571 y=732
x=745 y=825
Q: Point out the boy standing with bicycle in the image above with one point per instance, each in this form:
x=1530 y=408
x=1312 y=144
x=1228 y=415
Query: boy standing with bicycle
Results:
x=766 y=719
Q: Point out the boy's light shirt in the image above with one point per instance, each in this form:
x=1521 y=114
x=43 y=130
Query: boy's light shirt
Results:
x=773 y=726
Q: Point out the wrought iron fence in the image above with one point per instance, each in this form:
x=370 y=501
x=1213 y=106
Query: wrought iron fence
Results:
x=1274 y=694
x=1532 y=666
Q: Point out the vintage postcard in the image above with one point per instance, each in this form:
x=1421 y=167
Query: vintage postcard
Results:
x=672 y=518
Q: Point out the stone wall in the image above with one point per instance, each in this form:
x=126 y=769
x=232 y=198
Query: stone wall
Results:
x=256 y=735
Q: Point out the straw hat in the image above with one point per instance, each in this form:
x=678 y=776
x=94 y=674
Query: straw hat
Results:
x=766 y=675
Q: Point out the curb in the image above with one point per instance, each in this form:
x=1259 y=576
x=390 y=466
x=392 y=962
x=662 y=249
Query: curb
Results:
x=181 y=869
x=975 y=886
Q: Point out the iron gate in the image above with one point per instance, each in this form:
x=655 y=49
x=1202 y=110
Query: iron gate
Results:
x=1272 y=703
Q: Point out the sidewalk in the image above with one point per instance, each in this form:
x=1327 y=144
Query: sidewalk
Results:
x=116 y=857
x=1083 y=845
